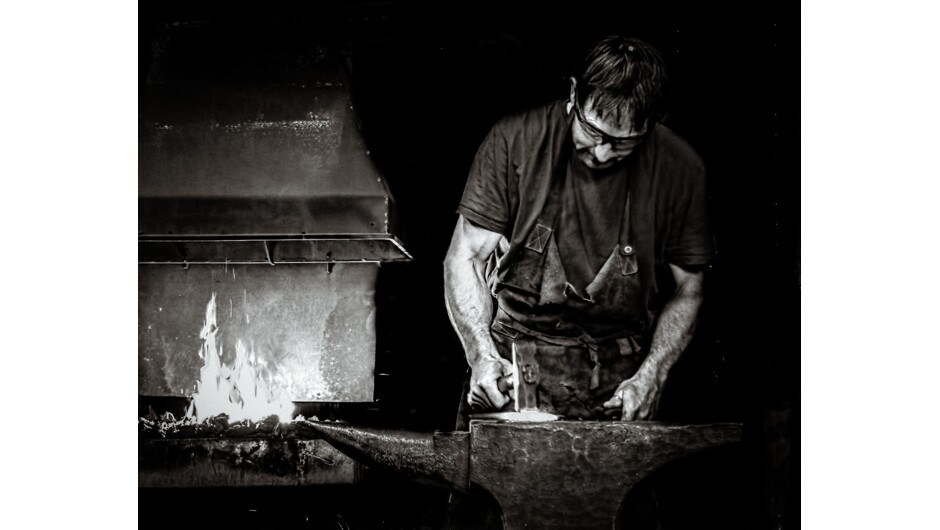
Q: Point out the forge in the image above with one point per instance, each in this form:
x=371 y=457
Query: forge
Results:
x=262 y=223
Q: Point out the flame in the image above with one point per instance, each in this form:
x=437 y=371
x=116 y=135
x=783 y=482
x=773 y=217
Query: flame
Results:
x=237 y=389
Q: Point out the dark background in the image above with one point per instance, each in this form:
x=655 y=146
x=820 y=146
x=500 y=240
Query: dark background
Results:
x=430 y=79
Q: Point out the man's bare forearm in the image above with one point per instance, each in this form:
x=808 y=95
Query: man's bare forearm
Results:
x=470 y=307
x=674 y=329
x=466 y=295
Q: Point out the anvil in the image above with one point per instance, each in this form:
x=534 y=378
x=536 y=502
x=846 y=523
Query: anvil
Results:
x=558 y=474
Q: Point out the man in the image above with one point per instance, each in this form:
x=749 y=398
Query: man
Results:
x=582 y=233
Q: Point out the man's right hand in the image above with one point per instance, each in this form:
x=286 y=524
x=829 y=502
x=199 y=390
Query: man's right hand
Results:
x=484 y=392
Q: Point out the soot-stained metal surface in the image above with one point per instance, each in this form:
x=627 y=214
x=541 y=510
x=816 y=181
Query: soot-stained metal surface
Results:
x=576 y=474
x=271 y=251
x=223 y=463
x=310 y=325
x=561 y=474
x=304 y=172
x=257 y=194
x=239 y=148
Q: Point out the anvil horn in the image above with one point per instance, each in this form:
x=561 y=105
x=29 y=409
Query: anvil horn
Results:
x=438 y=459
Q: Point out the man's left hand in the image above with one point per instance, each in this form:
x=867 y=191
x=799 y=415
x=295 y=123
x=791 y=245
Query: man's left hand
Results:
x=636 y=399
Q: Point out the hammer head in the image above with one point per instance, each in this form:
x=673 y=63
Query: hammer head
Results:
x=525 y=377
x=525 y=381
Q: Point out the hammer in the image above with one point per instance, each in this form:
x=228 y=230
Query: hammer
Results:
x=523 y=382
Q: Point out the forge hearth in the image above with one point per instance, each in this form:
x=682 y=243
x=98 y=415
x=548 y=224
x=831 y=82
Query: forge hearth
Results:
x=262 y=223
x=216 y=453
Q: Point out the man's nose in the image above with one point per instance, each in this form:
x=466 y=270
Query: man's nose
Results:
x=603 y=152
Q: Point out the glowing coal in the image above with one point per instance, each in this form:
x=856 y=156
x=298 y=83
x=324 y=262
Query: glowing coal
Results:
x=237 y=389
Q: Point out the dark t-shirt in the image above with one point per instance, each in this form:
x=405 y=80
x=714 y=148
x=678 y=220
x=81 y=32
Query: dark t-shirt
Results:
x=590 y=218
x=510 y=180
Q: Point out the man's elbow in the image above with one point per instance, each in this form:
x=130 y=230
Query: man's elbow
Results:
x=457 y=264
x=454 y=257
x=690 y=285
x=693 y=295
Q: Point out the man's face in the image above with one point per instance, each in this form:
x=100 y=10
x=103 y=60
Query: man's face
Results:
x=599 y=143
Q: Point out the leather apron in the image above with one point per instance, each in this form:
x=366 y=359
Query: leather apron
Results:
x=577 y=371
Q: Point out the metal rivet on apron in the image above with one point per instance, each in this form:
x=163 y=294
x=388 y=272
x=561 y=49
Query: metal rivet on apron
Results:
x=627 y=250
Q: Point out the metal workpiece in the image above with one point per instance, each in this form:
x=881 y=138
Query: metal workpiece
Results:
x=438 y=459
x=560 y=474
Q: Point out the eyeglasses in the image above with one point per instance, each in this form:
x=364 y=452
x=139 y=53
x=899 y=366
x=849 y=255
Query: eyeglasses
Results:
x=601 y=138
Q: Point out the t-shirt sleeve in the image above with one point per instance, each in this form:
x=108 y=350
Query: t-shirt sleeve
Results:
x=485 y=199
x=690 y=241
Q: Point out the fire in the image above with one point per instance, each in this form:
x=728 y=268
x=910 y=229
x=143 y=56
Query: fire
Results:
x=238 y=389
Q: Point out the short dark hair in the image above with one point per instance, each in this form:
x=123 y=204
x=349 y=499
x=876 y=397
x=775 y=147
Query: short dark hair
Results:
x=624 y=76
